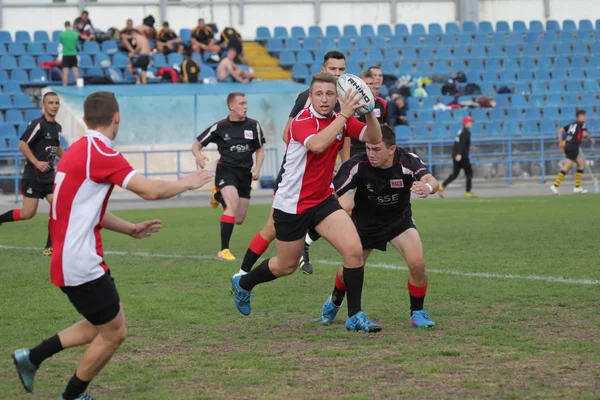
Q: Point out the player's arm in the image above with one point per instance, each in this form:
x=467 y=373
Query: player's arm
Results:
x=154 y=189
x=138 y=231
x=425 y=186
x=561 y=131
x=463 y=142
x=203 y=140
x=589 y=137
x=286 y=131
x=301 y=100
x=373 y=133
x=260 y=159
x=26 y=150
x=197 y=152
x=345 y=179
x=60 y=151
x=345 y=153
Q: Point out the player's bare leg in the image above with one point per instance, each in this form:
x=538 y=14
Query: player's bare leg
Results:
x=579 y=175
x=48 y=248
x=566 y=167
x=228 y=220
x=408 y=243
x=242 y=210
x=258 y=245
x=27 y=211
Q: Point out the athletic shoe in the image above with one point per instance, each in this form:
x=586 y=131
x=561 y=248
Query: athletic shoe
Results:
x=305 y=265
x=226 y=255
x=83 y=396
x=25 y=368
x=213 y=201
x=47 y=252
x=360 y=322
x=579 y=190
x=554 y=190
x=469 y=195
x=328 y=312
x=420 y=319
x=441 y=191
x=241 y=296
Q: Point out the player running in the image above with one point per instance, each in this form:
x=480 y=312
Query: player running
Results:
x=84 y=181
x=40 y=144
x=569 y=140
x=384 y=178
x=304 y=197
x=238 y=138
x=460 y=158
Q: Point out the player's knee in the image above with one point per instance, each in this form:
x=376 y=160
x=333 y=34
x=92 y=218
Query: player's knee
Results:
x=240 y=220
x=268 y=232
x=27 y=214
x=353 y=257
x=417 y=265
x=119 y=335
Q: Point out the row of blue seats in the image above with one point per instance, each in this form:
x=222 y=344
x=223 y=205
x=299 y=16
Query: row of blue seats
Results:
x=586 y=100
x=18 y=101
x=24 y=37
x=400 y=29
x=496 y=114
x=17 y=116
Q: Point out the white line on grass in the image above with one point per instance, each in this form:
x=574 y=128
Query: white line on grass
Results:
x=553 y=279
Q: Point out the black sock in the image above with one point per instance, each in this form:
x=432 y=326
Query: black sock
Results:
x=313 y=235
x=75 y=387
x=337 y=296
x=249 y=260
x=416 y=303
x=44 y=350
x=260 y=274
x=48 y=241
x=354 y=278
x=226 y=231
x=7 y=217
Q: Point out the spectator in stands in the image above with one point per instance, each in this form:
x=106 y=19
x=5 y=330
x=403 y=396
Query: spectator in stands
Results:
x=203 y=39
x=232 y=38
x=397 y=111
x=83 y=24
x=377 y=80
x=140 y=60
x=168 y=41
x=190 y=69
x=147 y=28
x=227 y=71
x=126 y=34
x=69 y=40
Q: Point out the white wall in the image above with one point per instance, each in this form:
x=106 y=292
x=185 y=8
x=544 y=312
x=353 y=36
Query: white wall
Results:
x=372 y=12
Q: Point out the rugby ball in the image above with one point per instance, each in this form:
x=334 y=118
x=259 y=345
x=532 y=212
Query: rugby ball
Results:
x=349 y=81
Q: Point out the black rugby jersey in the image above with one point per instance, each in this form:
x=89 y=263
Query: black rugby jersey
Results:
x=462 y=143
x=382 y=195
x=236 y=141
x=574 y=135
x=380 y=111
x=43 y=138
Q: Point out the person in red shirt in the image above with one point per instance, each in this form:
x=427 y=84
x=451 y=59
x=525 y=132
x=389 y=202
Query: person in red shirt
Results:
x=85 y=178
x=305 y=198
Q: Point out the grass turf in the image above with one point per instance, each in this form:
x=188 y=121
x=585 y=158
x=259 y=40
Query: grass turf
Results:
x=497 y=337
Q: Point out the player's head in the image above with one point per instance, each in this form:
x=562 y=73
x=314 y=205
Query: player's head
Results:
x=201 y=23
x=377 y=77
x=85 y=15
x=129 y=24
x=581 y=115
x=367 y=77
x=238 y=105
x=323 y=93
x=334 y=62
x=231 y=53
x=50 y=104
x=381 y=155
x=67 y=25
x=467 y=122
x=101 y=112
x=166 y=25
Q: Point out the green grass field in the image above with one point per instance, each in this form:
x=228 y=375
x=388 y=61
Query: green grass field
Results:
x=514 y=289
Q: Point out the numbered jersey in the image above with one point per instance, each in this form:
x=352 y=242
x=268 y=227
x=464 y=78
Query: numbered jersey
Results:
x=85 y=177
x=574 y=135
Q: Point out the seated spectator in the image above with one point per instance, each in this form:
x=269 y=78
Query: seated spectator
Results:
x=83 y=25
x=126 y=35
x=140 y=59
x=397 y=111
x=168 y=41
x=190 y=69
x=231 y=38
x=227 y=71
x=203 y=39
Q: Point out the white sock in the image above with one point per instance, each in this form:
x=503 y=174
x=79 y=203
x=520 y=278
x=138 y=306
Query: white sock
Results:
x=308 y=240
x=242 y=272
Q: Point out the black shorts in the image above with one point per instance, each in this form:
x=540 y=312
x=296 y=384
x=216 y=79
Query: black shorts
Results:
x=292 y=227
x=572 y=154
x=69 y=61
x=34 y=189
x=142 y=61
x=240 y=178
x=377 y=239
x=98 y=300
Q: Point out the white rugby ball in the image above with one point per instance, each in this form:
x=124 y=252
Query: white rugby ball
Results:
x=349 y=81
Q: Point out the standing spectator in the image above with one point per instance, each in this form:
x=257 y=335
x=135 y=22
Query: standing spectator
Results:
x=460 y=158
x=140 y=59
x=227 y=71
x=126 y=34
x=168 y=41
x=232 y=38
x=69 y=40
x=83 y=25
x=397 y=111
x=203 y=39
x=190 y=70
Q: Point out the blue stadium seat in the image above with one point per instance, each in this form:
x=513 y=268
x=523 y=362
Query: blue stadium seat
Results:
x=584 y=37
x=375 y=56
x=590 y=73
x=585 y=25
x=473 y=76
x=569 y=25
x=465 y=39
x=536 y=26
x=529 y=50
x=444 y=53
x=522 y=88
x=14 y=117
x=44 y=58
x=418 y=29
x=262 y=34
x=300 y=72
x=401 y=30
x=591 y=86
x=545 y=63
x=461 y=52
x=459 y=114
x=550 y=36
x=274 y=45
x=435 y=29
x=27 y=62
x=563 y=50
x=452 y=28
x=120 y=60
x=439 y=132
x=346 y=44
x=402 y=133
x=409 y=54
x=315 y=32
x=293 y=45
x=440 y=68
x=514 y=114
x=16 y=49
x=483 y=38
x=547 y=127
x=563 y=62
x=476 y=65
x=332 y=31
x=22 y=101
x=305 y=57
x=519 y=101
x=443 y=117
x=328 y=44
x=426 y=53
x=502 y=26
x=353 y=68
x=500 y=38
x=574 y=86
x=478 y=52
x=485 y=27
x=431 y=40
x=384 y=30
x=159 y=60
x=5 y=37
x=555 y=100
x=388 y=68
x=52 y=49
x=507 y=76
x=547 y=50
x=516 y=38
x=56 y=36
x=5 y=102
x=531 y=128
x=297 y=32
x=533 y=37
x=311 y=44
x=511 y=128
x=367 y=31
x=85 y=61
x=551 y=113
x=287 y=59
x=552 y=25
x=449 y=40
x=519 y=26
x=357 y=56
x=35 y=49
x=396 y=43
x=479 y=114
x=525 y=76
x=102 y=60
x=425 y=116
x=91 y=47
x=511 y=64
x=392 y=55
x=186 y=35
x=8 y=62
x=350 y=31
x=280 y=32
x=110 y=46
x=580 y=49
x=557 y=87
x=501 y=102
x=588 y=99
x=567 y=37
x=38 y=75
x=469 y=27
x=19 y=75
x=22 y=37
x=413 y=41
x=572 y=98
x=41 y=37
x=378 y=42
x=363 y=43
x=458 y=65
x=493 y=64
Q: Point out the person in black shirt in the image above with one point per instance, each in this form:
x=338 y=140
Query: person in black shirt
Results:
x=384 y=178
x=397 y=111
x=460 y=158
x=203 y=39
x=40 y=144
x=569 y=139
x=237 y=139
x=126 y=36
x=190 y=70
x=232 y=38
x=167 y=40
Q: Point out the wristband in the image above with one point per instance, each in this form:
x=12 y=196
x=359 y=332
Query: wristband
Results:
x=344 y=116
x=430 y=188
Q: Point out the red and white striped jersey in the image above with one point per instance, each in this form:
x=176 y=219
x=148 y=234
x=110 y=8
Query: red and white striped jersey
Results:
x=307 y=177
x=85 y=177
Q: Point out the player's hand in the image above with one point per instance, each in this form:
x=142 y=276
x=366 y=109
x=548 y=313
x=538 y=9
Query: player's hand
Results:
x=420 y=189
x=146 y=228
x=351 y=103
x=592 y=141
x=197 y=179
x=561 y=146
x=458 y=157
x=255 y=174
x=201 y=161
x=43 y=166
